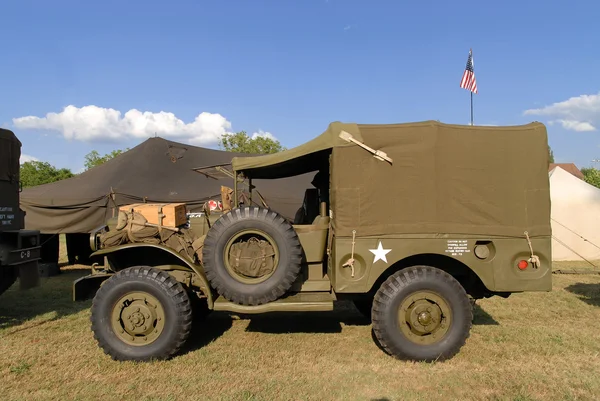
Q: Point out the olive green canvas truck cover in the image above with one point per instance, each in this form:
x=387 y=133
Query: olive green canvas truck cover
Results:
x=443 y=178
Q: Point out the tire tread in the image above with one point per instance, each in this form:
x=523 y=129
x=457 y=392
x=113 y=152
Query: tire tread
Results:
x=175 y=292
x=401 y=279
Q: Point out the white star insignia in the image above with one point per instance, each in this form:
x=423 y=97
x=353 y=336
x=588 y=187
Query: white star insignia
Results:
x=380 y=253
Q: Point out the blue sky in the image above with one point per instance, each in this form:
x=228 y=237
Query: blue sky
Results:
x=289 y=68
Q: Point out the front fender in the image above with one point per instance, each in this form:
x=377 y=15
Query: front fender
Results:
x=159 y=256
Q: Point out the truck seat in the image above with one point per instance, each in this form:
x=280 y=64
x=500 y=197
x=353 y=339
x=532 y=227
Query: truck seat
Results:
x=310 y=207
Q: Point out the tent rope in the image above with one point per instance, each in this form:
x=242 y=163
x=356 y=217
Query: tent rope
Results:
x=568 y=247
x=579 y=235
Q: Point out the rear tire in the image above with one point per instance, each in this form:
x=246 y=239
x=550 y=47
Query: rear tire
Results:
x=141 y=314
x=257 y=222
x=422 y=313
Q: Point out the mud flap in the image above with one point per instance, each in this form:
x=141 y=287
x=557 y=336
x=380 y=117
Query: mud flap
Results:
x=29 y=276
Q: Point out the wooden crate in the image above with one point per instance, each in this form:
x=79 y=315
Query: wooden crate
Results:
x=174 y=213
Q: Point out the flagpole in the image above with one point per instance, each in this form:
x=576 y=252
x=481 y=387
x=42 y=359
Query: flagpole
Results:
x=471 y=52
x=468 y=80
x=471 y=108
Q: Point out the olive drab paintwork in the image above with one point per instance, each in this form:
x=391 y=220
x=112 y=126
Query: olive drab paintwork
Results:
x=19 y=248
x=417 y=217
x=498 y=271
x=440 y=189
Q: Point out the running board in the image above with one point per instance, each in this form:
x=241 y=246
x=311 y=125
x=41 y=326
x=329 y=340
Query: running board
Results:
x=298 y=302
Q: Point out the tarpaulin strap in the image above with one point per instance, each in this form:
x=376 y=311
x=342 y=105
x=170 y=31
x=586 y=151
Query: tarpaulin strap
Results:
x=350 y=262
x=236 y=253
x=265 y=255
x=534 y=259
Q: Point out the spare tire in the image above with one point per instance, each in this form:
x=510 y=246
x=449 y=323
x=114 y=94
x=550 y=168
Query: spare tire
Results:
x=252 y=255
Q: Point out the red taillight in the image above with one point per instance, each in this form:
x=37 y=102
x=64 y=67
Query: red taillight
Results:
x=523 y=264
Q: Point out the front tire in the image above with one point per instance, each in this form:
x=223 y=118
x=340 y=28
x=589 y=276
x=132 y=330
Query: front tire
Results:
x=141 y=314
x=423 y=314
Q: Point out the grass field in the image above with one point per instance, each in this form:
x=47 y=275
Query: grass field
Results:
x=536 y=346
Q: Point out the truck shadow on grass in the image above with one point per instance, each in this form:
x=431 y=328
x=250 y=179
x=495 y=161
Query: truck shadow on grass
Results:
x=206 y=331
x=218 y=323
x=587 y=292
x=51 y=298
x=307 y=322
x=482 y=318
x=343 y=314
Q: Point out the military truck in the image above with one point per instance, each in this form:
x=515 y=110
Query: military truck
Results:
x=19 y=248
x=411 y=222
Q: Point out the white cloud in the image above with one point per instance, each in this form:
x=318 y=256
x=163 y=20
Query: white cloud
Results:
x=263 y=134
x=93 y=123
x=26 y=158
x=579 y=113
x=574 y=125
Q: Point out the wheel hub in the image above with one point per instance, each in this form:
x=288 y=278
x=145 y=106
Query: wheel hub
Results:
x=138 y=318
x=424 y=317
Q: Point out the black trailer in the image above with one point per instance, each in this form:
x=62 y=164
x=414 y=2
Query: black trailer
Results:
x=19 y=248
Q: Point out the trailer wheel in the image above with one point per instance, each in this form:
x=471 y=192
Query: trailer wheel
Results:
x=237 y=229
x=422 y=313
x=141 y=313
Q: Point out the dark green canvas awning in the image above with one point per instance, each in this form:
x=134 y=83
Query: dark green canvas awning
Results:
x=157 y=170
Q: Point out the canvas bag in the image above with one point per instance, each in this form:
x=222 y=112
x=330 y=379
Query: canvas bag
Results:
x=130 y=229
x=254 y=258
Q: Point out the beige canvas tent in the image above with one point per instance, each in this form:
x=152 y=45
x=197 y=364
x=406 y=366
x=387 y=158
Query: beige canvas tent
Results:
x=575 y=213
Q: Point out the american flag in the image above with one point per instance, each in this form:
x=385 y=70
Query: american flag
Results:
x=468 y=80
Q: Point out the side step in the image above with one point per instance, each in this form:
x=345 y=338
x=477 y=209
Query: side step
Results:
x=298 y=302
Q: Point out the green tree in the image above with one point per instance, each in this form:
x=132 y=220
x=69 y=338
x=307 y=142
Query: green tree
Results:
x=94 y=159
x=591 y=176
x=242 y=143
x=37 y=173
x=550 y=154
